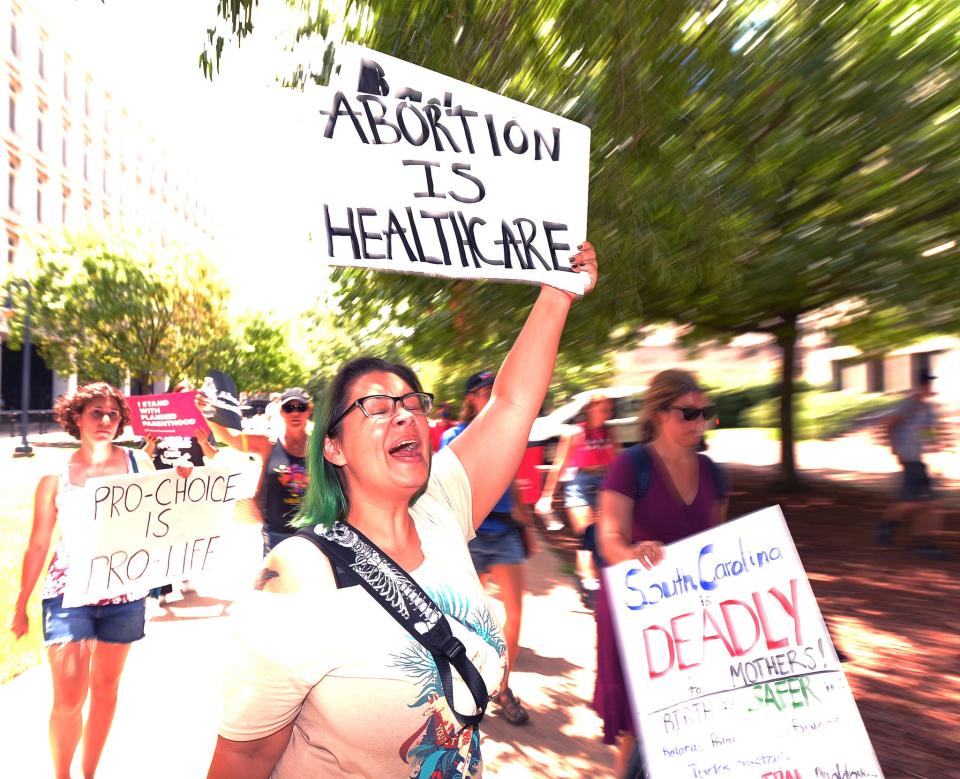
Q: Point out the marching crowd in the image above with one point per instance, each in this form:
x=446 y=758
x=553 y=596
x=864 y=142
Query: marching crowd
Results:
x=381 y=529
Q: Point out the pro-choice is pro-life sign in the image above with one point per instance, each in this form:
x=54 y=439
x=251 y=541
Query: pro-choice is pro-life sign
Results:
x=136 y=531
x=417 y=172
x=730 y=669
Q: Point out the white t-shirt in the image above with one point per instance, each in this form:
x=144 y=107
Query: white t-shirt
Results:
x=365 y=696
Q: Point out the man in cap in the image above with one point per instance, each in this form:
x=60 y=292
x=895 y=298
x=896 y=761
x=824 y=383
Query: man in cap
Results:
x=500 y=546
x=912 y=429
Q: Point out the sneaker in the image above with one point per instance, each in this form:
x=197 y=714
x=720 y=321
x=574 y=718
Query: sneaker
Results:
x=553 y=525
x=511 y=708
x=589 y=591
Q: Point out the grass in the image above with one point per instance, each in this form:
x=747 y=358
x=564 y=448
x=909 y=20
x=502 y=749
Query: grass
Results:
x=820 y=414
x=17 y=483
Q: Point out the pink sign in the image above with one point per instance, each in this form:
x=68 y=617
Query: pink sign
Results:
x=174 y=413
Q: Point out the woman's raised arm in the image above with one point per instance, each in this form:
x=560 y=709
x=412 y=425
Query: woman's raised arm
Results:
x=492 y=446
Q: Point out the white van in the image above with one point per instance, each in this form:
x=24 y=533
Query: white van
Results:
x=624 y=427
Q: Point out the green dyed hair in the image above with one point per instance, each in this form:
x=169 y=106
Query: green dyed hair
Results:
x=325 y=500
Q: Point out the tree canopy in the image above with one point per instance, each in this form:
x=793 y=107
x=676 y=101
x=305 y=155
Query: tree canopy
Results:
x=102 y=307
x=751 y=163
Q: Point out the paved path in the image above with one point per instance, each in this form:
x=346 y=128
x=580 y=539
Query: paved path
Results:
x=165 y=726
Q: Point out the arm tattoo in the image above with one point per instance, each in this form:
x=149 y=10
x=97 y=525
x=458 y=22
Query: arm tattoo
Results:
x=264 y=578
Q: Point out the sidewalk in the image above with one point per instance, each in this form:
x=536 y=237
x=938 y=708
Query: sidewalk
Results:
x=166 y=721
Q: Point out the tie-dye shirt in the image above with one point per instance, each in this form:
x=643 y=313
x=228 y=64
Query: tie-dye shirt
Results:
x=365 y=697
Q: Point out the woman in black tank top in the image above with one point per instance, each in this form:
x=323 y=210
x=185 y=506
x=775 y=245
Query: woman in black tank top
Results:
x=283 y=479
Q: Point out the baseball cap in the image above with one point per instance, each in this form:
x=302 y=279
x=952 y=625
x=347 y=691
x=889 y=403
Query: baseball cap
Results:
x=925 y=377
x=480 y=380
x=294 y=393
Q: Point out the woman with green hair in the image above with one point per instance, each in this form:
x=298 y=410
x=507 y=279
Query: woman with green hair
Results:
x=321 y=680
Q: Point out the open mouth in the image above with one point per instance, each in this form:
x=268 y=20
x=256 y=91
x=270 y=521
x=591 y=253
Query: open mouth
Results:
x=407 y=448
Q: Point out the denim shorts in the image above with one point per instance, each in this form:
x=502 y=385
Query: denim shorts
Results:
x=917 y=484
x=114 y=623
x=582 y=491
x=489 y=549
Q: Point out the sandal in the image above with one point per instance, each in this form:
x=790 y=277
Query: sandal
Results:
x=511 y=708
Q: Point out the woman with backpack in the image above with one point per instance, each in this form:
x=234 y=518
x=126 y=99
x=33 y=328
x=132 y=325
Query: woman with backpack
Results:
x=659 y=492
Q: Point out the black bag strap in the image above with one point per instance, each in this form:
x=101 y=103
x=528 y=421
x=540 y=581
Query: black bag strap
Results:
x=642 y=468
x=354 y=556
x=643 y=471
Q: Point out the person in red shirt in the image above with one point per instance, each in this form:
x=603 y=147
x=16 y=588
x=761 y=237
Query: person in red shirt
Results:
x=581 y=461
x=443 y=421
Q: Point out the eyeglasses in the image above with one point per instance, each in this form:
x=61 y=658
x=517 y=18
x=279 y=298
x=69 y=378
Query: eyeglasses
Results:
x=692 y=413
x=295 y=408
x=381 y=406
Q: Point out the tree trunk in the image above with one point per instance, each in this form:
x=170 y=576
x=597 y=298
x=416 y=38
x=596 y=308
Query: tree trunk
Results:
x=787 y=341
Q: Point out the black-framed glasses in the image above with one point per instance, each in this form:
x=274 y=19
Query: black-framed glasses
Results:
x=692 y=413
x=381 y=406
x=295 y=407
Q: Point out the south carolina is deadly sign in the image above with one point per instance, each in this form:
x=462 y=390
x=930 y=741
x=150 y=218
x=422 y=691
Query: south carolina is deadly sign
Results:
x=730 y=669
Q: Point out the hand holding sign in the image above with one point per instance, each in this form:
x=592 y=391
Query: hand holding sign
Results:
x=585 y=261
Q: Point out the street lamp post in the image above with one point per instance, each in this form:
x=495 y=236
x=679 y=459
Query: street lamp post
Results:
x=25 y=450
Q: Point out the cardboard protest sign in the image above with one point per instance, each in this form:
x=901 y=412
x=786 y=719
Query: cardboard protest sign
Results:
x=139 y=531
x=169 y=414
x=730 y=669
x=443 y=178
x=221 y=390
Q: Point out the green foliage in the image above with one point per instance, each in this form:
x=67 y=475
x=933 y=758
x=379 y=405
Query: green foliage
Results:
x=733 y=403
x=103 y=306
x=259 y=357
x=822 y=414
x=751 y=162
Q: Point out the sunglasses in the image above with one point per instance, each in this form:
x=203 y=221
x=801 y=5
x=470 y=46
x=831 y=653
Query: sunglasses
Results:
x=692 y=413
x=295 y=408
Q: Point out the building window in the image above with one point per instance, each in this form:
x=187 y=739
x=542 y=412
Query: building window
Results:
x=14 y=39
x=12 y=183
x=41 y=182
x=875 y=382
x=106 y=178
x=86 y=98
x=12 y=240
x=41 y=113
x=66 y=78
x=65 y=204
x=41 y=65
x=65 y=144
x=12 y=104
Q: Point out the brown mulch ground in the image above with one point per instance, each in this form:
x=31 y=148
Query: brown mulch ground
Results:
x=895 y=615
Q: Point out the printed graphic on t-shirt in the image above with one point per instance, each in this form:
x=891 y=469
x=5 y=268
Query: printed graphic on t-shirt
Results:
x=172 y=449
x=441 y=749
x=293 y=478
